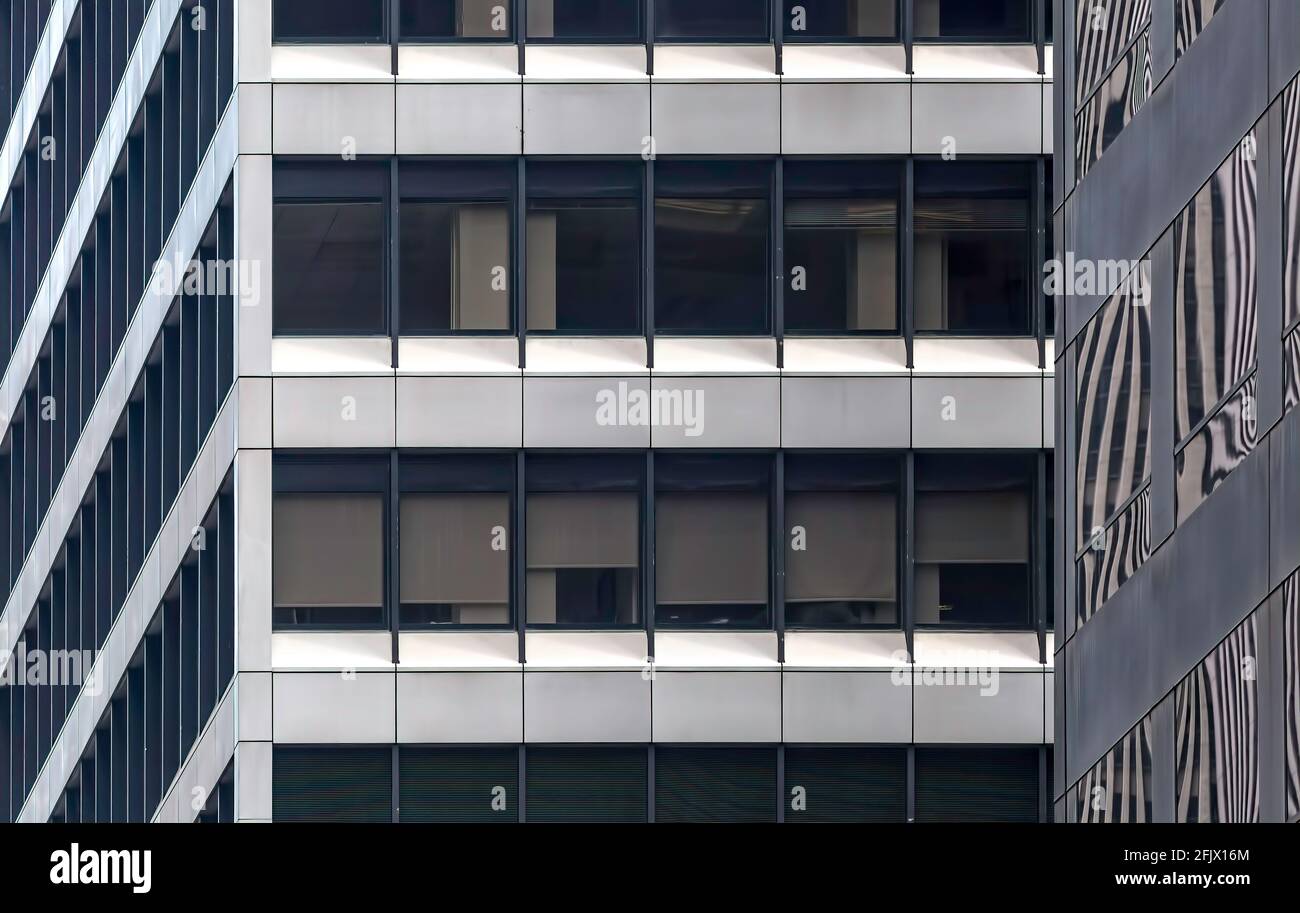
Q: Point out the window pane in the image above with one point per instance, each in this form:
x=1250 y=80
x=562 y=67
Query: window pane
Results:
x=329 y=558
x=972 y=541
x=711 y=240
x=1113 y=412
x=459 y=785
x=313 y=784
x=846 y=785
x=841 y=541
x=426 y=20
x=582 y=784
x=718 y=19
x=329 y=275
x=455 y=267
x=1190 y=19
x=329 y=20
x=1215 y=296
x=972 y=236
x=972 y=20
x=711 y=535
x=841 y=263
x=455 y=560
x=1101 y=33
x=812 y=20
x=584 y=20
x=1121 y=780
x=715 y=785
x=584 y=247
x=583 y=558
x=977 y=784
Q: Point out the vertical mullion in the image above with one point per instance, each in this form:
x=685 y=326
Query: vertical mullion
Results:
x=776 y=250
x=648 y=558
x=648 y=252
x=520 y=252
x=394 y=260
x=776 y=551
x=780 y=784
x=907 y=262
x=1037 y=257
x=1040 y=553
x=907 y=552
x=393 y=552
x=519 y=566
x=648 y=23
x=908 y=33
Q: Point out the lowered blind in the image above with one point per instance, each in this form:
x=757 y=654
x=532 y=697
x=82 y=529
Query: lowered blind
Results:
x=328 y=550
x=332 y=784
x=715 y=785
x=981 y=527
x=580 y=784
x=971 y=214
x=878 y=214
x=451 y=548
x=979 y=785
x=711 y=548
x=459 y=785
x=583 y=530
x=849 y=544
x=846 y=785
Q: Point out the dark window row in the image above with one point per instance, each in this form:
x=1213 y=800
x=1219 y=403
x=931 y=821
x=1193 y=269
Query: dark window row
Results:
x=379 y=21
x=173 y=682
x=22 y=22
x=115 y=267
x=187 y=375
x=591 y=522
x=190 y=87
x=668 y=784
x=708 y=228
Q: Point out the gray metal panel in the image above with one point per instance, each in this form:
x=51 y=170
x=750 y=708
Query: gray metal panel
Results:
x=334 y=411
x=1284 y=503
x=329 y=708
x=586 y=707
x=717 y=706
x=460 y=412
x=977 y=412
x=729 y=412
x=1049 y=413
x=1284 y=50
x=563 y=412
x=586 y=119
x=977 y=118
x=813 y=120
x=721 y=118
x=1008 y=712
x=460 y=707
x=1174 y=143
x=332 y=119
x=1198 y=586
x=847 y=706
x=1049 y=707
x=846 y=412
x=483 y=119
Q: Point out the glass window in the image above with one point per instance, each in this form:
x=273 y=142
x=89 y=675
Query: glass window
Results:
x=433 y=20
x=584 y=20
x=584 y=540
x=711 y=541
x=1101 y=33
x=972 y=540
x=587 y=784
x=716 y=20
x=584 y=247
x=715 y=785
x=1190 y=19
x=845 y=785
x=328 y=550
x=841 y=564
x=455 y=247
x=1117 y=790
x=977 y=784
x=347 y=784
x=1214 y=294
x=837 y=20
x=455 y=541
x=329 y=21
x=711 y=247
x=330 y=271
x=972 y=248
x=458 y=785
x=972 y=20
x=841 y=247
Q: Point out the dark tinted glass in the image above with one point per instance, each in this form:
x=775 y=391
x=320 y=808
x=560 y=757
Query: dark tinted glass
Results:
x=845 y=785
x=739 y=20
x=455 y=267
x=584 y=20
x=582 y=784
x=715 y=785
x=329 y=20
x=711 y=249
x=822 y=20
x=841 y=248
x=972 y=20
x=972 y=248
x=977 y=784
x=329 y=275
x=345 y=785
x=459 y=785
x=430 y=20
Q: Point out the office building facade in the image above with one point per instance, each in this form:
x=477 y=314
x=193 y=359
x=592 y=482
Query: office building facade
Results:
x=1178 y=176
x=433 y=411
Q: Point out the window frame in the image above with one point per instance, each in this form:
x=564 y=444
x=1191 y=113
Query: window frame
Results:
x=766 y=38
x=788 y=37
x=514 y=14
x=1032 y=19
x=637 y=39
x=384 y=38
